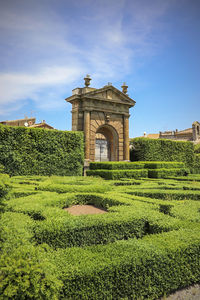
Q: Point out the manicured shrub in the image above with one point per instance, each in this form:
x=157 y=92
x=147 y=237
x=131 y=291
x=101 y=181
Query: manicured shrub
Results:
x=116 y=165
x=163 y=165
x=117 y=170
x=61 y=188
x=24 y=276
x=4 y=185
x=27 y=151
x=135 y=269
x=117 y=174
x=164 y=173
x=126 y=182
x=186 y=210
x=166 y=208
x=196 y=168
x=167 y=194
x=4 y=189
x=125 y=219
x=1 y=169
x=197 y=148
x=148 y=241
x=145 y=149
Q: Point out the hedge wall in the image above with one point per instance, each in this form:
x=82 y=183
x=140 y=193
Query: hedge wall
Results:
x=116 y=165
x=197 y=164
x=117 y=174
x=164 y=173
x=28 y=151
x=4 y=189
x=197 y=148
x=146 y=149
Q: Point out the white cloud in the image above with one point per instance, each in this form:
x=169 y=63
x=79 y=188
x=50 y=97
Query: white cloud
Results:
x=16 y=87
x=45 y=50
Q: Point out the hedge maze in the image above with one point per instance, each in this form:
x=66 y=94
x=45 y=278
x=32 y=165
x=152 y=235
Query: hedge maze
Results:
x=145 y=245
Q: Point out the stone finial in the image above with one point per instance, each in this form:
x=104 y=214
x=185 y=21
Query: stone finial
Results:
x=124 y=88
x=87 y=80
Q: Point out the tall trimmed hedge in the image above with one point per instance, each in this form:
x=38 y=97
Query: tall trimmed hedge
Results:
x=35 y=151
x=197 y=148
x=197 y=164
x=146 y=149
x=4 y=189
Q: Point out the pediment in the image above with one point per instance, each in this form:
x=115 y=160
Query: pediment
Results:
x=110 y=93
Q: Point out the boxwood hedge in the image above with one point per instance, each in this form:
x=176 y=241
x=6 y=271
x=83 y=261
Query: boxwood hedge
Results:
x=117 y=174
x=135 y=269
x=151 y=241
x=145 y=149
x=164 y=173
x=27 y=151
x=4 y=189
x=197 y=164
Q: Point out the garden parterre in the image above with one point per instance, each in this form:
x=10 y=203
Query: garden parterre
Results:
x=145 y=246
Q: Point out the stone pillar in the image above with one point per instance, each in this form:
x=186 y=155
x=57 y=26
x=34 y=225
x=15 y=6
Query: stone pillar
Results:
x=194 y=132
x=126 y=138
x=87 y=134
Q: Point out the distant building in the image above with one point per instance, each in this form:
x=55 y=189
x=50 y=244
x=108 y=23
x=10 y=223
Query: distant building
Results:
x=43 y=124
x=27 y=122
x=152 y=135
x=21 y=122
x=189 y=134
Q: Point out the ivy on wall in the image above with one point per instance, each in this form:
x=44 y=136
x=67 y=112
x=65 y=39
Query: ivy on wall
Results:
x=28 y=151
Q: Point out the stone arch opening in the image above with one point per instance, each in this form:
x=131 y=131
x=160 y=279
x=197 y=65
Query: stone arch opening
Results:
x=106 y=144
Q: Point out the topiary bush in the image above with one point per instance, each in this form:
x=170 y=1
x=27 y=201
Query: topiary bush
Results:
x=28 y=151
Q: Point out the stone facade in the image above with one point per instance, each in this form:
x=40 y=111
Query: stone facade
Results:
x=20 y=122
x=102 y=113
x=27 y=122
x=189 y=134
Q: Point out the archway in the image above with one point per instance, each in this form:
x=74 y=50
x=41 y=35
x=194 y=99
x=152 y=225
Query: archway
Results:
x=106 y=144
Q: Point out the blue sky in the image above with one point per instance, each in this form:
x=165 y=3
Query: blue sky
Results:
x=48 y=46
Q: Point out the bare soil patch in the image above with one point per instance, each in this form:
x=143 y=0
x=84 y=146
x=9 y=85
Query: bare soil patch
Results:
x=77 y=210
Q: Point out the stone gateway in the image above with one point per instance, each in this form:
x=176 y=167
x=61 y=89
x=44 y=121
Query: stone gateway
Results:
x=103 y=115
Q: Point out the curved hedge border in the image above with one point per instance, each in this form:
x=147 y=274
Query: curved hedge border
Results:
x=138 y=268
x=135 y=269
x=28 y=151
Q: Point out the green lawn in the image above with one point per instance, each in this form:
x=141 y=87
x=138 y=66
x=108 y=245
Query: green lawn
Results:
x=147 y=244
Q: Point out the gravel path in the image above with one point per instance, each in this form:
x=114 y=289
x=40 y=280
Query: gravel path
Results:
x=77 y=210
x=191 y=293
